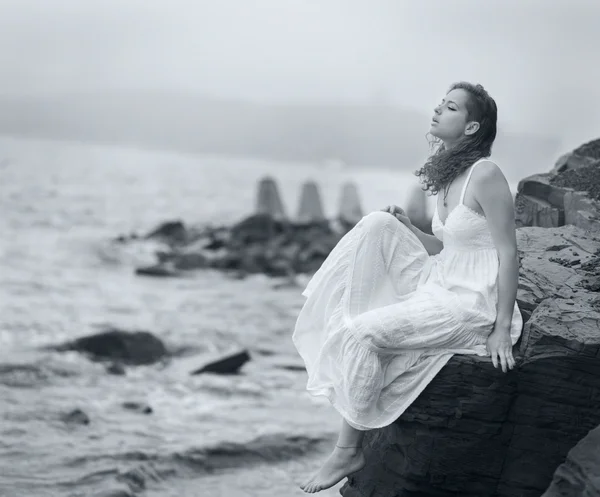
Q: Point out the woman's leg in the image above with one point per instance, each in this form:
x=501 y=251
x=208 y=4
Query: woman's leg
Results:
x=347 y=458
x=386 y=264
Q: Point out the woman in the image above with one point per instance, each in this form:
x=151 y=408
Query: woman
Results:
x=391 y=305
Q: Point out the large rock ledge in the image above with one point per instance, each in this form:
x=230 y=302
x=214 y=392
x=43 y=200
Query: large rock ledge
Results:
x=569 y=194
x=476 y=431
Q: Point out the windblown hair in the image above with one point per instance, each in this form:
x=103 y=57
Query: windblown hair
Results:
x=443 y=166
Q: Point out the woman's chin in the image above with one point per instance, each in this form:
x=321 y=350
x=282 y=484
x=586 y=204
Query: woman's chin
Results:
x=433 y=130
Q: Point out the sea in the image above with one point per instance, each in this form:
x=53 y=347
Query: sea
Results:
x=62 y=276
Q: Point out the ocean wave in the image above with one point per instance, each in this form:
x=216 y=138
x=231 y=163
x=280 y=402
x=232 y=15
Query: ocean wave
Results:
x=31 y=375
x=140 y=470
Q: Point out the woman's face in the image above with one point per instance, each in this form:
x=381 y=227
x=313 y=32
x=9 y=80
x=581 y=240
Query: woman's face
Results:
x=450 y=119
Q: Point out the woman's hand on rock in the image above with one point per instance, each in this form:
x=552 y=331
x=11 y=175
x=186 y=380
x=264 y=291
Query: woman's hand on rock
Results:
x=399 y=214
x=499 y=346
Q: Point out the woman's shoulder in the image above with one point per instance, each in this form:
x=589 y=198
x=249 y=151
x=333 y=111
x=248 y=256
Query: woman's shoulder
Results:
x=488 y=174
x=487 y=167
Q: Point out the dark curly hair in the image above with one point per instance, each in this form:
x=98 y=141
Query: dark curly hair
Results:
x=443 y=166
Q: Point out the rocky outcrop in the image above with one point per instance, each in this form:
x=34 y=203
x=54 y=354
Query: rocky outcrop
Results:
x=257 y=244
x=134 y=348
x=569 y=194
x=476 y=431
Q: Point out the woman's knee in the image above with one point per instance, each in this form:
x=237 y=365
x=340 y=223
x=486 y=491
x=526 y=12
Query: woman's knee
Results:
x=377 y=221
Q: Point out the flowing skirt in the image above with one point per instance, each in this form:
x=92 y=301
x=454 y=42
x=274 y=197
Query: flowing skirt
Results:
x=377 y=324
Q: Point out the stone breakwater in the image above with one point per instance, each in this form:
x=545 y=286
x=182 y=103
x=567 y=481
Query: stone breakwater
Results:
x=268 y=241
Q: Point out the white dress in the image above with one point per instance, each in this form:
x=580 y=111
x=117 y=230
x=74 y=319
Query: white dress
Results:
x=382 y=317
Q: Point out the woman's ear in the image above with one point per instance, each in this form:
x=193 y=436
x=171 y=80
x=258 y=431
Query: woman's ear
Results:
x=472 y=127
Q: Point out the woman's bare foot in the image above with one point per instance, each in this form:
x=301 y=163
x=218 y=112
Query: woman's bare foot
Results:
x=341 y=463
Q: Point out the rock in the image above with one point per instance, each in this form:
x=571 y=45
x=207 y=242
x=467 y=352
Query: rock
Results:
x=571 y=161
x=170 y=231
x=539 y=203
x=116 y=368
x=226 y=365
x=268 y=200
x=532 y=211
x=476 y=431
x=77 y=417
x=138 y=407
x=582 y=211
x=256 y=228
x=551 y=201
x=350 y=210
x=310 y=209
x=579 y=475
x=161 y=270
x=191 y=260
x=132 y=348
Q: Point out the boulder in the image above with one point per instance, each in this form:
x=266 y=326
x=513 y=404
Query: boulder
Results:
x=571 y=161
x=132 y=348
x=579 y=475
x=170 y=231
x=76 y=417
x=475 y=431
x=582 y=156
x=571 y=197
x=230 y=364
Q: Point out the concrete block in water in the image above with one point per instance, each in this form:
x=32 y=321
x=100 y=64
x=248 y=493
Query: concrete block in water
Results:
x=311 y=208
x=350 y=210
x=268 y=200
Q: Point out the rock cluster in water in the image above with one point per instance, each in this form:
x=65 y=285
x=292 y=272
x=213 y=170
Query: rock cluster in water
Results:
x=268 y=241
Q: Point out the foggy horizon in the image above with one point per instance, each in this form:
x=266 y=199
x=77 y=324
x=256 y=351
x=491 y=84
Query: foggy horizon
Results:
x=535 y=58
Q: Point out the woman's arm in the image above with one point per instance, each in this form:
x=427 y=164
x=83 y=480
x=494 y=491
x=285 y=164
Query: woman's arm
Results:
x=493 y=194
x=430 y=242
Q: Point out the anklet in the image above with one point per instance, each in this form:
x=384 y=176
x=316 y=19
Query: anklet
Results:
x=348 y=446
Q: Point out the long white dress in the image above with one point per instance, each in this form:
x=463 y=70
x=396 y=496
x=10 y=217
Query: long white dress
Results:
x=382 y=317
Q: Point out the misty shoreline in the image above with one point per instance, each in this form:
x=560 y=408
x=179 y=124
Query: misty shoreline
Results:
x=375 y=135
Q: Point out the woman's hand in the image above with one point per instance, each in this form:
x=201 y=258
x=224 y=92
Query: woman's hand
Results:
x=399 y=214
x=499 y=346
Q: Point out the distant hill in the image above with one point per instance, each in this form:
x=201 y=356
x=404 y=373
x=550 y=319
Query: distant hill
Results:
x=365 y=135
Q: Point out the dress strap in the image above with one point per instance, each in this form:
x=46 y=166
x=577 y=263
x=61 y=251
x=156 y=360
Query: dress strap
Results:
x=464 y=189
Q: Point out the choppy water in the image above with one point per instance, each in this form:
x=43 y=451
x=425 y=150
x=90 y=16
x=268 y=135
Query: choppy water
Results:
x=255 y=434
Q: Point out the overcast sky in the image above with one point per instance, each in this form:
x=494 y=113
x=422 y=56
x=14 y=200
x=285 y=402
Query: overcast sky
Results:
x=538 y=58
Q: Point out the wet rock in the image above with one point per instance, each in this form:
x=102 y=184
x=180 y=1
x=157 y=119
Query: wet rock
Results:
x=138 y=407
x=130 y=348
x=476 y=431
x=170 y=231
x=256 y=228
x=230 y=364
x=158 y=270
x=76 y=417
x=116 y=368
x=579 y=475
